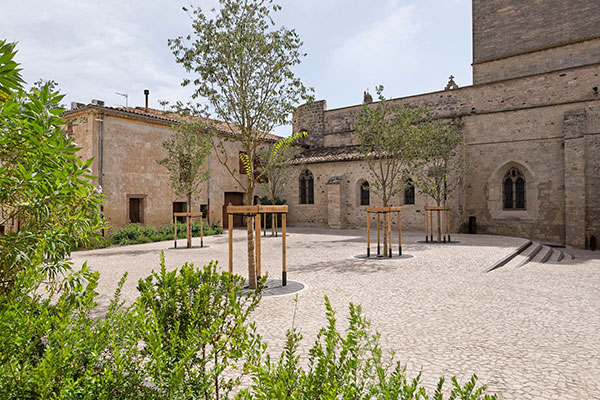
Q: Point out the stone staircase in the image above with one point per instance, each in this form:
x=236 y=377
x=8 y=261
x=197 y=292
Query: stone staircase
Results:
x=533 y=252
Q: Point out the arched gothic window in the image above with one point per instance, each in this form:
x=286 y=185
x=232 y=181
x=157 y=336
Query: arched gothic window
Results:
x=307 y=188
x=365 y=194
x=513 y=189
x=409 y=192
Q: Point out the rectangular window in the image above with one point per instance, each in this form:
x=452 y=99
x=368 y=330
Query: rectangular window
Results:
x=179 y=207
x=136 y=208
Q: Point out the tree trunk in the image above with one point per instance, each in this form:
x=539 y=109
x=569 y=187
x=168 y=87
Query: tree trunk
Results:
x=439 y=221
x=187 y=220
x=251 y=255
x=385 y=227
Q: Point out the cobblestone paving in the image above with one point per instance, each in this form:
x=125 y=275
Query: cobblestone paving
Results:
x=529 y=333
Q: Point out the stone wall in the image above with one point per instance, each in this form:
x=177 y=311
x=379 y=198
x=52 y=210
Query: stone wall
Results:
x=542 y=61
x=337 y=199
x=522 y=123
x=505 y=28
x=569 y=86
x=131 y=147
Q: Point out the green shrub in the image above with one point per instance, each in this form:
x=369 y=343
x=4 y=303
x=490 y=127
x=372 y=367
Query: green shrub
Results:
x=349 y=366
x=136 y=233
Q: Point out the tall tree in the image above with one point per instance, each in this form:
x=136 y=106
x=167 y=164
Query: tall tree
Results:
x=441 y=152
x=187 y=153
x=387 y=135
x=243 y=66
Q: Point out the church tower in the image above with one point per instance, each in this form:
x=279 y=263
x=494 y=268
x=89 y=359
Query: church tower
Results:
x=516 y=38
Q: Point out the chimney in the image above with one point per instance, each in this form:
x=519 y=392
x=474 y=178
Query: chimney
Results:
x=97 y=102
x=75 y=105
x=146 y=93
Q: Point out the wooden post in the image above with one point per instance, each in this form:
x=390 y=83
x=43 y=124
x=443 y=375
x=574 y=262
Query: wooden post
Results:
x=283 y=251
x=258 y=229
x=389 y=228
x=378 y=235
x=265 y=225
x=443 y=212
x=448 y=222
x=175 y=230
x=201 y=232
x=189 y=231
x=399 y=235
x=275 y=222
x=426 y=226
x=431 y=226
x=230 y=226
x=368 y=234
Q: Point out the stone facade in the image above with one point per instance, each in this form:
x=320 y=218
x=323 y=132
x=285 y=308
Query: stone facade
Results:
x=535 y=106
x=131 y=143
x=517 y=38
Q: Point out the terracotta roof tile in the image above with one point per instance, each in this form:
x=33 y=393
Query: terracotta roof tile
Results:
x=328 y=154
x=170 y=116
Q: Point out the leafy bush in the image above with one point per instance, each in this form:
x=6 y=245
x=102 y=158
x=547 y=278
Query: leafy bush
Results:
x=136 y=233
x=188 y=336
x=345 y=367
x=43 y=183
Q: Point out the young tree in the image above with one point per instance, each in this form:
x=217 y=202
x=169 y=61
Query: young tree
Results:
x=441 y=152
x=387 y=142
x=243 y=66
x=187 y=152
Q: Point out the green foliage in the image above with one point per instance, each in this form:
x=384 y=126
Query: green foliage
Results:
x=136 y=233
x=276 y=166
x=441 y=151
x=10 y=73
x=183 y=338
x=195 y=331
x=387 y=133
x=242 y=64
x=43 y=184
x=54 y=348
x=349 y=366
x=187 y=152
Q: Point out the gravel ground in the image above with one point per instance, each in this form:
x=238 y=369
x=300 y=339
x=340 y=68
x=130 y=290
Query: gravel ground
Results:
x=529 y=333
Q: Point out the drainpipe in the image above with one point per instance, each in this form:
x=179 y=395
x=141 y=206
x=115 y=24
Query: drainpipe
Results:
x=101 y=162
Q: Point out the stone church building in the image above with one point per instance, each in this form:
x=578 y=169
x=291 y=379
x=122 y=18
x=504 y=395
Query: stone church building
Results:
x=531 y=124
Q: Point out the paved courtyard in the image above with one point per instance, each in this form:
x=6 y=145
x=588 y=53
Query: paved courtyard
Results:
x=530 y=332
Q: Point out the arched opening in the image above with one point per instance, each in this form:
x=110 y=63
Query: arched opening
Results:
x=365 y=194
x=307 y=188
x=513 y=190
x=409 y=192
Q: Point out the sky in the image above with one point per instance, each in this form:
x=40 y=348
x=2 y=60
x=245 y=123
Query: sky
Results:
x=94 y=49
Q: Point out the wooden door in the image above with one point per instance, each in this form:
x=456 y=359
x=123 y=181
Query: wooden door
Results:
x=234 y=199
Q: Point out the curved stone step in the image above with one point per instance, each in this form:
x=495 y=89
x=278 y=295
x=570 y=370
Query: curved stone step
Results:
x=547 y=255
x=505 y=260
x=531 y=255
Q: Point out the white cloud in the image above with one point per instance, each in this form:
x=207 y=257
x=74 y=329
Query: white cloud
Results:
x=381 y=49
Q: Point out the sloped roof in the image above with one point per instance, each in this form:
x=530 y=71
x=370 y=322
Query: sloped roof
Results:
x=171 y=117
x=328 y=154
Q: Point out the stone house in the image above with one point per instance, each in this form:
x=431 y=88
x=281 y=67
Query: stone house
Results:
x=125 y=143
x=531 y=124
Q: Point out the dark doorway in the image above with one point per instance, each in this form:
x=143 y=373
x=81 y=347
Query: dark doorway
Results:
x=136 y=214
x=235 y=199
x=179 y=207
